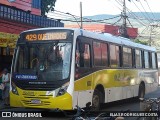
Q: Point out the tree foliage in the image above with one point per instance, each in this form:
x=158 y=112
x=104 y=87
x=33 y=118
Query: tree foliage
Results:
x=46 y=6
x=141 y=42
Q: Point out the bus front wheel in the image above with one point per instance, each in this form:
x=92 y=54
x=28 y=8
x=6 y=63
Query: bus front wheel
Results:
x=96 y=100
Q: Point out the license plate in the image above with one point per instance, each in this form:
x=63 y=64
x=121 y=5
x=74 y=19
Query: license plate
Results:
x=35 y=101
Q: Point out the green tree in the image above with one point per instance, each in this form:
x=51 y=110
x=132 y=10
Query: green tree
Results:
x=46 y=6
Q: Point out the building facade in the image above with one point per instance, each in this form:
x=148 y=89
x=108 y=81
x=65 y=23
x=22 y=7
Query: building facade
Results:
x=103 y=28
x=15 y=17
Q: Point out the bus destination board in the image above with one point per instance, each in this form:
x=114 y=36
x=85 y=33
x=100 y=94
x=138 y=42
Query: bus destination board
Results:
x=46 y=36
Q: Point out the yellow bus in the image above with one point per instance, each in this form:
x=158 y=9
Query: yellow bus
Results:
x=59 y=68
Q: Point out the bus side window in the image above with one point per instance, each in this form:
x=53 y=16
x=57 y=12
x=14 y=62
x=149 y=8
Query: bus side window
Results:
x=138 y=58
x=154 y=60
x=146 y=59
x=81 y=62
x=114 y=56
x=87 y=56
x=83 y=57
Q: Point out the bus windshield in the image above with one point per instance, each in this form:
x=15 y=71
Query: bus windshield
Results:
x=43 y=61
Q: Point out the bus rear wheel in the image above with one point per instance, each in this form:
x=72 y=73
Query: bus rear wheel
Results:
x=96 y=100
x=141 y=91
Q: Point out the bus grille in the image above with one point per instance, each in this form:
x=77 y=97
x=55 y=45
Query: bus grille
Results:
x=43 y=103
x=42 y=100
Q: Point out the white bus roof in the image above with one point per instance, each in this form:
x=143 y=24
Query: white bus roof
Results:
x=100 y=36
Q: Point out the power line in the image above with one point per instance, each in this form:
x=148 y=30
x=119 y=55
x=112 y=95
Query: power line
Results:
x=144 y=10
x=120 y=3
x=139 y=21
x=144 y=29
x=116 y=6
x=99 y=21
x=132 y=26
x=150 y=9
x=155 y=20
x=93 y=21
x=141 y=11
x=125 y=17
x=117 y=21
x=87 y=19
x=136 y=31
x=129 y=11
x=136 y=17
x=109 y=18
x=59 y=15
x=65 y=13
x=75 y=19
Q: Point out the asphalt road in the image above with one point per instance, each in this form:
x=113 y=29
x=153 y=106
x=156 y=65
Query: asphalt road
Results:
x=129 y=104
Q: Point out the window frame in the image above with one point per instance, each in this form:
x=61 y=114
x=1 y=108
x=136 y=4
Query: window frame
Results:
x=101 y=64
x=117 y=59
x=140 y=62
x=129 y=65
x=146 y=60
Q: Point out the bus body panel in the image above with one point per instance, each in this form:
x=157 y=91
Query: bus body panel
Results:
x=41 y=99
x=118 y=84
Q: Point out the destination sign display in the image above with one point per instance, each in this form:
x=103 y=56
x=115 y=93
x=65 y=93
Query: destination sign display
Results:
x=46 y=36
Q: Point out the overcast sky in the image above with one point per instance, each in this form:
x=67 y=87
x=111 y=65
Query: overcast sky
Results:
x=94 y=7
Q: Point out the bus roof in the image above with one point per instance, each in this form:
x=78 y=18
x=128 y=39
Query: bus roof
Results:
x=116 y=39
x=101 y=36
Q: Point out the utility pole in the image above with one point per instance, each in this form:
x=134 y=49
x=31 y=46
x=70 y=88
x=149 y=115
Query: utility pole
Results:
x=81 y=15
x=152 y=27
x=124 y=25
x=150 y=37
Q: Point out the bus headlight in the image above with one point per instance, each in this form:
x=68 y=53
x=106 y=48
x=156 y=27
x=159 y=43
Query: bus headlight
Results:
x=14 y=89
x=62 y=90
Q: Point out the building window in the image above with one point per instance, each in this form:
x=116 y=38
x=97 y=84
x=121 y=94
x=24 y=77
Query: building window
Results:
x=36 y=4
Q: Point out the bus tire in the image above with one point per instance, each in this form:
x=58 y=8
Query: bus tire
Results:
x=141 y=92
x=96 y=100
